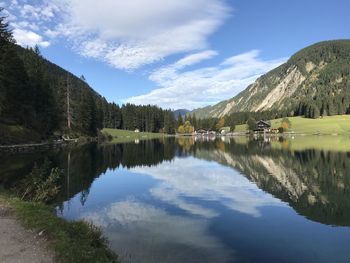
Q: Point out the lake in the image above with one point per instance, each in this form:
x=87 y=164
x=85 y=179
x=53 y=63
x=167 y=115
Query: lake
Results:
x=199 y=200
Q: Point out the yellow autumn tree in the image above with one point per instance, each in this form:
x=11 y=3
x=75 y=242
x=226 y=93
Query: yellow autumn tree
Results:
x=181 y=129
x=286 y=125
x=188 y=127
x=220 y=123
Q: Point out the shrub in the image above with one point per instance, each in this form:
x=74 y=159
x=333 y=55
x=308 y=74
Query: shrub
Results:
x=41 y=185
x=251 y=124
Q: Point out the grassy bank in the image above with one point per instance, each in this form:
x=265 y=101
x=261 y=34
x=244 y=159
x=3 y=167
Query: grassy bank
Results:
x=15 y=134
x=75 y=241
x=120 y=136
x=339 y=125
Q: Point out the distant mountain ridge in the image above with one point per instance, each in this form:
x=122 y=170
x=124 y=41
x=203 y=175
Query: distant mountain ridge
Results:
x=314 y=81
x=180 y=112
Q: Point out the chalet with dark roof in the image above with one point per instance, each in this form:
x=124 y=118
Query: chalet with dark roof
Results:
x=262 y=126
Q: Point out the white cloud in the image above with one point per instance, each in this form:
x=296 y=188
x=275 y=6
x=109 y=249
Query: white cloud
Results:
x=130 y=34
x=29 y=21
x=164 y=74
x=204 y=86
x=127 y=34
x=194 y=58
x=24 y=25
x=29 y=38
x=44 y=11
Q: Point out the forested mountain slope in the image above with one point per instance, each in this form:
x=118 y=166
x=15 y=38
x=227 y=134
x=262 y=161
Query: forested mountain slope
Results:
x=40 y=100
x=313 y=82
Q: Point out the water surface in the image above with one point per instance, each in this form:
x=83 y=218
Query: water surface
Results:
x=218 y=201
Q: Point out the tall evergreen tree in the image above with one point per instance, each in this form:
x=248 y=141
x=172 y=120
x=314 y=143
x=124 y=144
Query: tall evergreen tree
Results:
x=169 y=122
x=5 y=39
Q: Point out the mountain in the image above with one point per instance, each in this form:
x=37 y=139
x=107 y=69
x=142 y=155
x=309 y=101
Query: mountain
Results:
x=35 y=95
x=313 y=82
x=40 y=101
x=180 y=112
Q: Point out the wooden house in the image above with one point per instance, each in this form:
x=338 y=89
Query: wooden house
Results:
x=262 y=126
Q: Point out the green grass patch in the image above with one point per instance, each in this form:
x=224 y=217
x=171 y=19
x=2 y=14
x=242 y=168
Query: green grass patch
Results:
x=120 y=136
x=241 y=128
x=72 y=241
x=15 y=134
x=331 y=125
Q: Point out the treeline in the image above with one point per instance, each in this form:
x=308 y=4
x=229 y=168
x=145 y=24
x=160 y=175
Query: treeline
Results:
x=39 y=96
x=144 y=118
x=326 y=105
x=231 y=120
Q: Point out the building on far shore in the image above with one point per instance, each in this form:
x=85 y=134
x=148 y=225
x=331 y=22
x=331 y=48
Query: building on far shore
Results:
x=224 y=130
x=262 y=126
x=201 y=132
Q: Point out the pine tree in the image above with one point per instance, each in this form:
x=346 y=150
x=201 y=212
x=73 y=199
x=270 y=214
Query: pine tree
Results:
x=5 y=40
x=5 y=33
x=180 y=120
x=14 y=86
x=169 y=122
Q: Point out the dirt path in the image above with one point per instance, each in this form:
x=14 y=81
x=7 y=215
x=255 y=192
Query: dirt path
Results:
x=19 y=245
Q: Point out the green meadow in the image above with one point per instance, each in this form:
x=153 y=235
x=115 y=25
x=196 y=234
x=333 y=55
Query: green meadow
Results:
x=332 y=125
x=120 y=136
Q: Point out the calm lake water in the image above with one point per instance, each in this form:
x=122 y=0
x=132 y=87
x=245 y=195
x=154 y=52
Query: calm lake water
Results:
x=216 y=201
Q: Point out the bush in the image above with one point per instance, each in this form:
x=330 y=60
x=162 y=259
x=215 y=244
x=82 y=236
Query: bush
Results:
x=104 y=137
x=41 y=185
x=286 y=124
x=251 y=124
x=280 y=129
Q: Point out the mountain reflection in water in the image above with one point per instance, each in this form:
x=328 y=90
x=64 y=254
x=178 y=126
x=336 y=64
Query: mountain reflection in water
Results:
x=190 y=200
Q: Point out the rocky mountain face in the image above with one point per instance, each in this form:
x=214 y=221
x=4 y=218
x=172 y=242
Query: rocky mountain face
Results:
x=314 y=81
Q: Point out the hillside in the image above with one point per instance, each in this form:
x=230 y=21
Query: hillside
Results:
x=330 y=125
x=34 y=97
x=40 y=100
x=313 y=82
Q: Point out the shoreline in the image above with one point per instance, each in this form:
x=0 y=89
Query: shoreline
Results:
x=68 y=241
x=19 y=148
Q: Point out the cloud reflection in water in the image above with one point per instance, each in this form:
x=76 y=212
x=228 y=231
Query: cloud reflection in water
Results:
x=209 y=181
x=143 y=233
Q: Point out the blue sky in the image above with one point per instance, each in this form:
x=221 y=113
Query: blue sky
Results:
x=176 y=54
